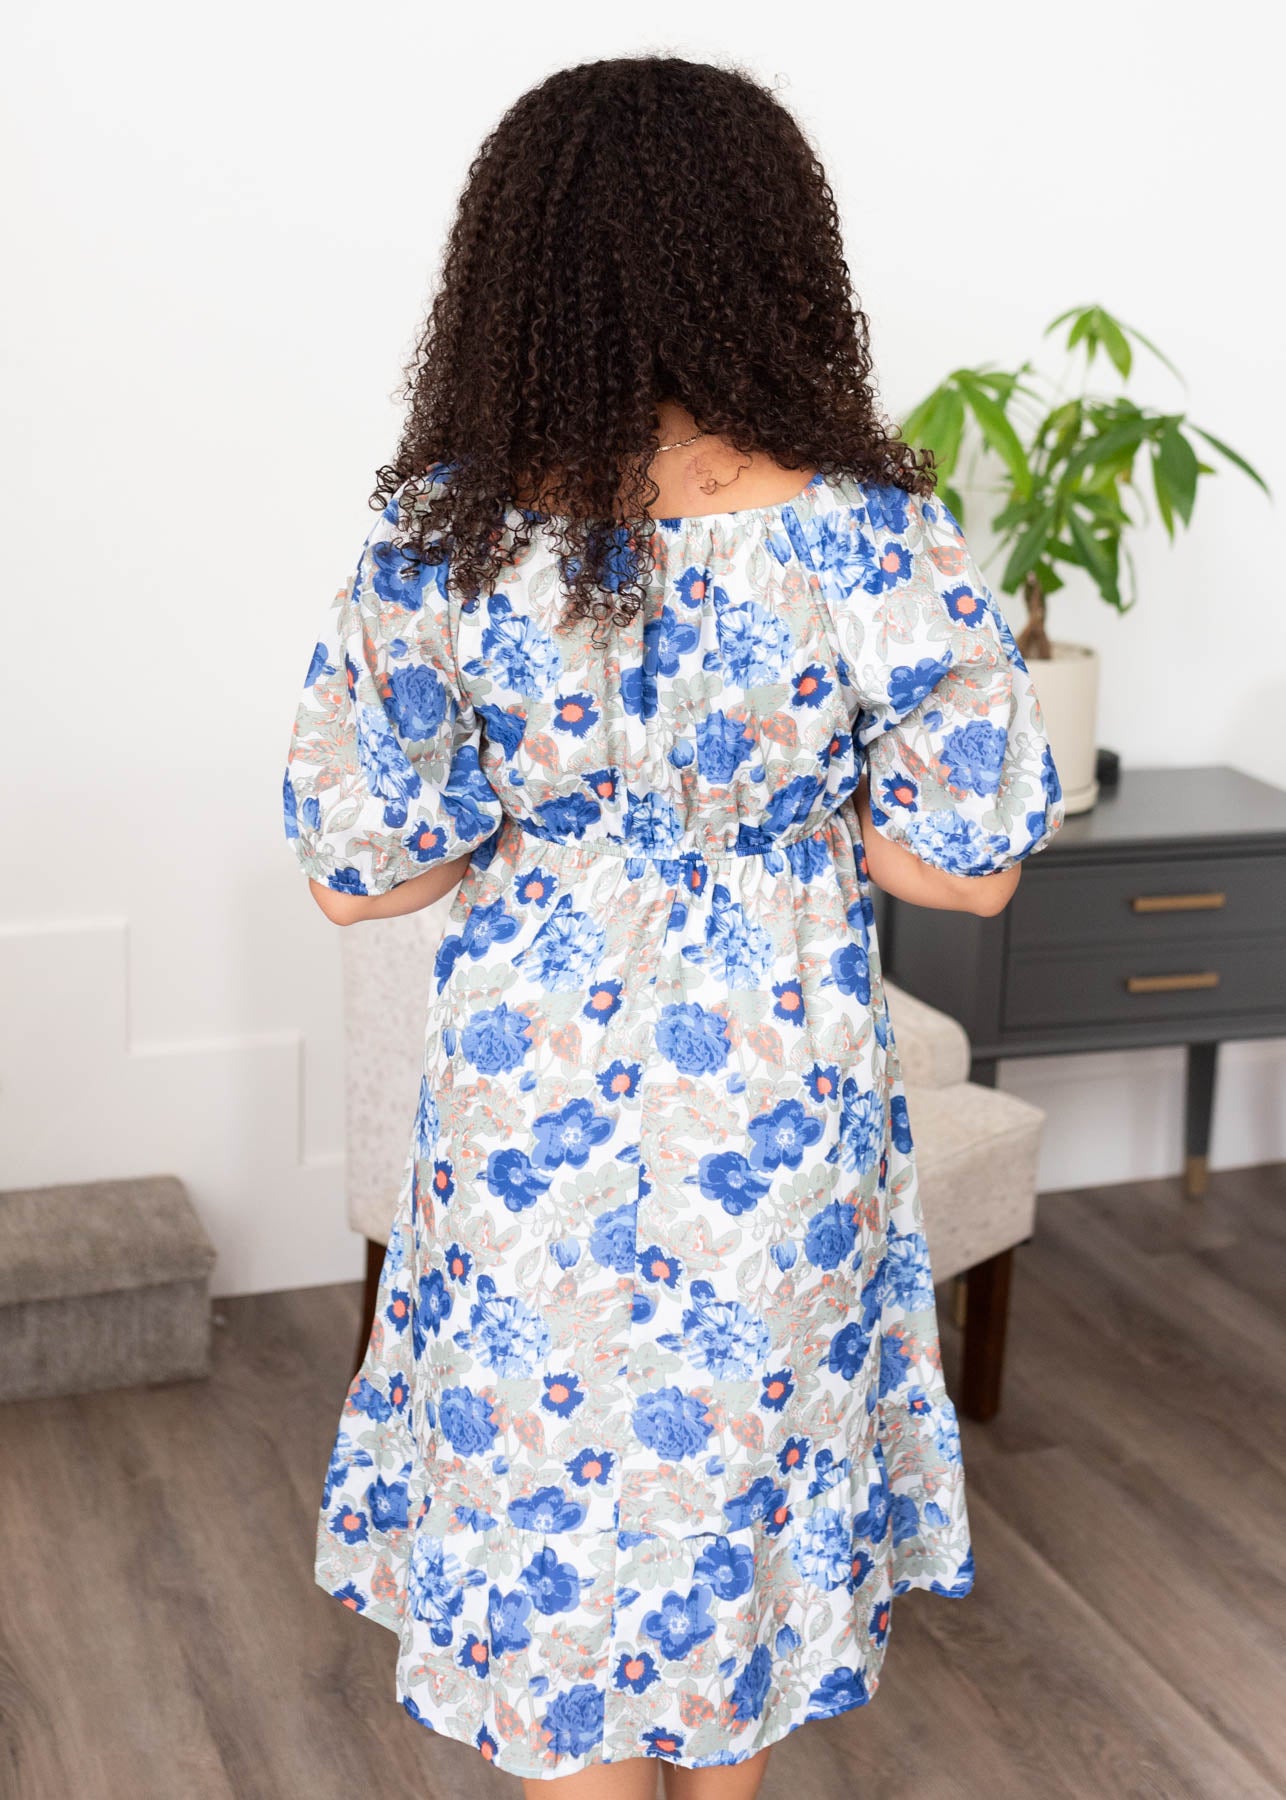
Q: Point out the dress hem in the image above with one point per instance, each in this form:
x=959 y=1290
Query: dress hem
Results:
x=544 y=1772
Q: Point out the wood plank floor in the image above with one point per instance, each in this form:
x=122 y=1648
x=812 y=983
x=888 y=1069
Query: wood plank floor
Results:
x=161 y=1636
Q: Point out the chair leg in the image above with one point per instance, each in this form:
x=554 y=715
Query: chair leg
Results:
x=986 y=1315
x=374 y=1269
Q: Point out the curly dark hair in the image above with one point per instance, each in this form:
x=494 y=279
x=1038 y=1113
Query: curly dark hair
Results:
x=634 y=229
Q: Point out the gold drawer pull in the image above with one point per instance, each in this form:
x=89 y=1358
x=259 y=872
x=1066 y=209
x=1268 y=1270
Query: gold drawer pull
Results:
x=1171 y=984
x=1176 y=902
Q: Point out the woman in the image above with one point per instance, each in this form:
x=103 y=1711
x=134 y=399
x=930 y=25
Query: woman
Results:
x=661 y=650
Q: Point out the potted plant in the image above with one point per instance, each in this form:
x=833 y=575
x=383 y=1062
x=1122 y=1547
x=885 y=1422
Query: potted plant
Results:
x=1070 y=464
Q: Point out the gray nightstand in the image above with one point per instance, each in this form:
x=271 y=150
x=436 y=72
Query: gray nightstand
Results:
x=1159 y=917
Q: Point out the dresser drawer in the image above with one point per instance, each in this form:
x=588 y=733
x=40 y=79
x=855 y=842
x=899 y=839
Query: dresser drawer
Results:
x=1111 y=982
x=1172 y=900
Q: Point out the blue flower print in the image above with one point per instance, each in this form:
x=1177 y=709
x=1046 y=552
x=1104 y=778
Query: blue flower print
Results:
x=604 y=1000
x=574 y=1720
x=671 y=1422
x=417 y=701
x=566 y=949
x=886 y=508
x=973 y=756
x=369 y=1400
x=820 y=1548
x=908 y=686
x=466 y=1421
x=433 y=1306
x=504 y=1331
x=892 y=565
x=837 y=1692
x=516 y=653
x=681 y=1622
x=754 y=644
x=620 y=1081
x=569 y=816
x=512 y=1177
x=692 y=586
x=473 y=1656
x=728 y=1568
x=575 y=713
x=547 y=1510
x=694 y=1040
x=428 y=1123
x=535 y=887
x=810 y=686
x=723 y=744
x=650 y=822
x=388 y=1502
x=504 y=729
x=636 y=1671
x=591 y=1466
x=496 y=1040
x=722 y=1336
x=831 y=1235
x=954 y=842
x=760 y=1500
x=568 y=1135
x=900 y=1124
x=778 y=1386
x=612 y=1242
x=965 y=607
x=782 y=1135
x=562 y=1395
x=459 y=1263
x=740 y=952
x=750 y=1689
x=900 y=790
x=350 y=1525
x=554 y=1585
x=384 y=765
x=602 y=783
x=861 y=1127
x=822 y=1082
x=399 y=576
x=789 y=998
x=398 y=1310
x=655 y=1265
x=665 y=639
x=848 y=1348
x=726 y=1176
x=851 y=971
x=436 y=1580
x=351 y=1595
x=657 y=1741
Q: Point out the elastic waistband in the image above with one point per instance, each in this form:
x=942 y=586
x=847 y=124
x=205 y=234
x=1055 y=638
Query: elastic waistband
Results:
x=824 y=834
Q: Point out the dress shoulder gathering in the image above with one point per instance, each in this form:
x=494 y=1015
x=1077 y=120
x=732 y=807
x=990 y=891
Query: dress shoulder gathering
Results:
x=651 y=1426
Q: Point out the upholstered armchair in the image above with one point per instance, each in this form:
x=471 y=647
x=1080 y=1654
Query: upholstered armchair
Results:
x=976 y=1147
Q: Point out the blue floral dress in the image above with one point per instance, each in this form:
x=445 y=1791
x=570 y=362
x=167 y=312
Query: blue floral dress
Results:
x=651 y=1426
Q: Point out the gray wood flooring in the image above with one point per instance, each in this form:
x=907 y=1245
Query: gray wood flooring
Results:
x=161 y=1636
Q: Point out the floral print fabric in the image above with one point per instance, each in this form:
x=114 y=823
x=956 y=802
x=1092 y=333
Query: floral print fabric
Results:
x=651 y=1426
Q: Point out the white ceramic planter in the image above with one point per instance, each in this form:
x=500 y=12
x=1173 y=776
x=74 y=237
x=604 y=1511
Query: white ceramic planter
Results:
x=1067 y=688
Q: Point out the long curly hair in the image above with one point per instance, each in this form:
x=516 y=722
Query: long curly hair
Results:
x=634 y=229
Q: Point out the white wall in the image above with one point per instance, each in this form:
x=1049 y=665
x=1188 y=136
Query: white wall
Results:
x=223 y=227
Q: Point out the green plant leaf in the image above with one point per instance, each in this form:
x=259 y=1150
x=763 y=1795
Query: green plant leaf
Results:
x=1116 y=344
x=937 y=424
x=1238 y=461
x=1159 y=354
x=1098 y=559
x=1177 y=461
x=1165 y=505
x=997 y=430
x=1028 y=551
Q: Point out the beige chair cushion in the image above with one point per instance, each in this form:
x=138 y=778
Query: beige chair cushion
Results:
x=934 y=1048
x=976 y=1150
x=388 y=974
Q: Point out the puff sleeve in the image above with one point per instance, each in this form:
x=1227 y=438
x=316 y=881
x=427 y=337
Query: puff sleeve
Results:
x=383 y=777
x=961 y=771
